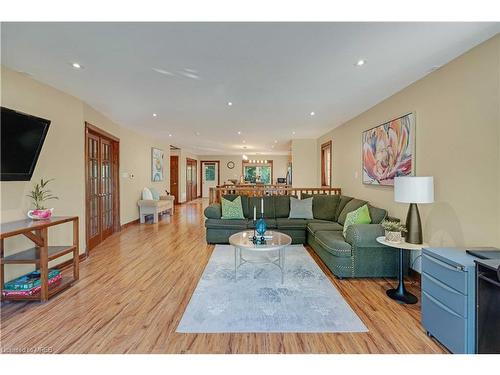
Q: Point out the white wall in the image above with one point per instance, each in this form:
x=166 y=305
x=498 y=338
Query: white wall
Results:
x=304 y=163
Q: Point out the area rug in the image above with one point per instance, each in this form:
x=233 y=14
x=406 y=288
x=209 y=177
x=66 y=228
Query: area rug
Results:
x=257 y=301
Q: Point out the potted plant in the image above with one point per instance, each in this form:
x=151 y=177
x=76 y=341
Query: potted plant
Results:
x=393 y=230
x=38 y=196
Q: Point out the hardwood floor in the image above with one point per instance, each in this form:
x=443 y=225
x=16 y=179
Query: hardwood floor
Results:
x=135 y=286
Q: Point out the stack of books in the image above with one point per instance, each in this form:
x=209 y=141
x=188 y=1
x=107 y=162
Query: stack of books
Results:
x=30 y=284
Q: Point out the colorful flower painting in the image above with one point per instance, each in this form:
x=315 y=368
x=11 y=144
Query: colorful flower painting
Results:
x=389 y=151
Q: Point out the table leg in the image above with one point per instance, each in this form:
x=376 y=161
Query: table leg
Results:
x=44 y=266
x=76 y=252
x=400 y=294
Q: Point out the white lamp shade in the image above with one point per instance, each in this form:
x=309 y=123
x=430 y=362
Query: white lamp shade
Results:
x=414 y=189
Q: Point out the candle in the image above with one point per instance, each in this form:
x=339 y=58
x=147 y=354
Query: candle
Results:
x=262 y=206
x=254 y=213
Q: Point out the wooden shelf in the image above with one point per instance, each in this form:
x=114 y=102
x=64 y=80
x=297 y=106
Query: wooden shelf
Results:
x=32 y=255
x=58 y=287
x=40 y=255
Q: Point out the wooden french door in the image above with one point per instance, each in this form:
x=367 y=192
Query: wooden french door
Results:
x=102 y=191
x=174 y=177
x=191 y=186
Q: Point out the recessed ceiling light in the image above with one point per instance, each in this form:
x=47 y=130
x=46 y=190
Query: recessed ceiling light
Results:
x=76 y=65
x=244 y=157
x=163 y=71
x=239 y=133
x=293 y=133
x=170 y=135
x=360 y=62
x=272 y=146
x=275 y=141
x=154 y=115
x=230 y=103
x=197 y=133
x=244 y=141
x=312 y=113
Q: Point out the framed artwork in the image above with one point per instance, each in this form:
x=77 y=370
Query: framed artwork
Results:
x=389 y=151
x=157 y=163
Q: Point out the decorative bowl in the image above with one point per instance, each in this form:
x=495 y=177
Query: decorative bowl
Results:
x=393 y=236
x=40 y=214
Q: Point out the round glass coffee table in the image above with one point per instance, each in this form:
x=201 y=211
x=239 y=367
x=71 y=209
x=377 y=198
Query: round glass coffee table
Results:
x=275 y=242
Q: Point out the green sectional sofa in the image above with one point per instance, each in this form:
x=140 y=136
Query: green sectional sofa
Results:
x=357 y=255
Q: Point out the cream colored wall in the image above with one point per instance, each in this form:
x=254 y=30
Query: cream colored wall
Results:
x=305 y=163
x=62 y=158
x=457 y=142
x=280 y=164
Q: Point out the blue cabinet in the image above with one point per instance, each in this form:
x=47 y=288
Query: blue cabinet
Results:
x=448 y=297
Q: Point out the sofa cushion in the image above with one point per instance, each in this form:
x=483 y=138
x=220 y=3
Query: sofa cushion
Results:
x=352 y=205
x=359 y=216
x=324 y=206
x=291 y=223
x=226 y=224
x=344 y=199
x=271 y=224
x=244 y=203
x=154 y=193
x=301 y=208
x=213 y=211
x=269 y=212
x=377 y=214
x=232 y=210
x=282 y=206
x=146 y=194
x=334 y=243
x=327 y=225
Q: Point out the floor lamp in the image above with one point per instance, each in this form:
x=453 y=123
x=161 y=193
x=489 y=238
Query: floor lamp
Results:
x=414 y=190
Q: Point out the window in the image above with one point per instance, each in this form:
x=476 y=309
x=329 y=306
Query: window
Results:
x=326 y=164
x=258 y=171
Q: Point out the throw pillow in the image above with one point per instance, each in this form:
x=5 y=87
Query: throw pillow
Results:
x=155 y=194
x=359 y=216
x=301 y=208
x=146 y=194
x=232 y=210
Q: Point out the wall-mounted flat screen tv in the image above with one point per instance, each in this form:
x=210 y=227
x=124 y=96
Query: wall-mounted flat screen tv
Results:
x=22 y=140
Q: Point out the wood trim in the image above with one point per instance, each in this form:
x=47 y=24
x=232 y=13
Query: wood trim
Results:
x=243 y=162
x=115 y=156
x=101 y=132
x=326 y=146
x=126 y=225
x=195 y=162
x=201 y=174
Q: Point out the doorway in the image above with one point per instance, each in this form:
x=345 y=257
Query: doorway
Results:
x=209 y=176
x=102 y=191
x=174 y=177
x=191 y=186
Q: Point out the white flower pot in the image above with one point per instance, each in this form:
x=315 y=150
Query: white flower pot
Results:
x=393 y=236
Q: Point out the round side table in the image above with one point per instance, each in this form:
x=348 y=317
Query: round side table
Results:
x=400 y=293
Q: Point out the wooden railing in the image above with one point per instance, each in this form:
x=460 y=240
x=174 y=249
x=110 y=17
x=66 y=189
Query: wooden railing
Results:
x=267 y=190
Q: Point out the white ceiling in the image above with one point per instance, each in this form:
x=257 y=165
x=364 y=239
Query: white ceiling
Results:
x=275 y=74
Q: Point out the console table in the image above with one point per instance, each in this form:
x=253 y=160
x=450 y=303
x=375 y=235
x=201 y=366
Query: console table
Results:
x=41 y=254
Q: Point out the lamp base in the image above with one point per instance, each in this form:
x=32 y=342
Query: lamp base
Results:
x=413 y=225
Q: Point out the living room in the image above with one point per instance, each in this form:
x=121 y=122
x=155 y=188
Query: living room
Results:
x=251 y=188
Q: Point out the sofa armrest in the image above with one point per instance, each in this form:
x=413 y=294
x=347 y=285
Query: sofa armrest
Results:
x=213 y=211
x=364 y=235
x=167 y=198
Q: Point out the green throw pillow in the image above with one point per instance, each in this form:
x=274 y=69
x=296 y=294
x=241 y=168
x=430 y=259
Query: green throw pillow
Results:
x=232 y=209
x=359 y=216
